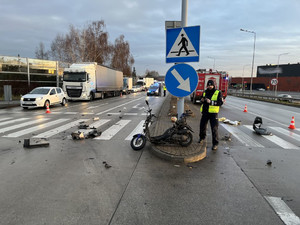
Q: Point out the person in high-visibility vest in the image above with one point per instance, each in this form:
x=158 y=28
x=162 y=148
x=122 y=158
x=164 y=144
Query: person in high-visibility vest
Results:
x=165 y=90
x=211 y=100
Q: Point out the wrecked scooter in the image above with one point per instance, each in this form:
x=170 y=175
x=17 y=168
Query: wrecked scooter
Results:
x=179 y=133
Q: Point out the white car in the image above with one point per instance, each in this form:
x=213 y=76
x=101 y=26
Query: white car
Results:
x=136 y=89
x=285 y=97
x=43 y=96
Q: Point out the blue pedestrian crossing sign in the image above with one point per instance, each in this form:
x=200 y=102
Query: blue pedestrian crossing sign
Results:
x=183 y=44
x=181 y=80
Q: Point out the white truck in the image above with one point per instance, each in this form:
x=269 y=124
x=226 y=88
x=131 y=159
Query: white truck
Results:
x=87 y=81
x=127 y=85
x=145 y=83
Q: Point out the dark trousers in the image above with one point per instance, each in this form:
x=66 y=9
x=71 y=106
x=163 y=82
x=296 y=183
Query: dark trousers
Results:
x=214 y=124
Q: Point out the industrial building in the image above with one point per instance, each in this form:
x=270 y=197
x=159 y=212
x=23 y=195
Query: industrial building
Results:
x=287 y=75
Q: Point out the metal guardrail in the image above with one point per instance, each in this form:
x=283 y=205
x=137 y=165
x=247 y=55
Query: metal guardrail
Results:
x=270 y=98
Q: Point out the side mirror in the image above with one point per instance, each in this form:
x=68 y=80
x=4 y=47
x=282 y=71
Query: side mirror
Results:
x=147 y=102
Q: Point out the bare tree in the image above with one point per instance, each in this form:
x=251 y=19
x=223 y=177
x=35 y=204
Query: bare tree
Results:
x=41 y=53
x=121 y=58
x=96 y=45
x=89 y=44
x=58 y=48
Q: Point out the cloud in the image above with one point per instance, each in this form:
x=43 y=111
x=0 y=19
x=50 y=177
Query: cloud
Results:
x=23 y=26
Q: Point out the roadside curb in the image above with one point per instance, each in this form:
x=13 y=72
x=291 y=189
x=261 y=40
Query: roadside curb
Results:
x=180 y=158
x=4 y=104
x=175 y=153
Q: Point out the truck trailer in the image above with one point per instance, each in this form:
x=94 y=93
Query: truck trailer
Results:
x=87 y=81
x=145 y=83
x=220 y=79
x=127 y=85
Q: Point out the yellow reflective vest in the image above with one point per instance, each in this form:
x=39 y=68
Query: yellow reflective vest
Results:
x=212 y=108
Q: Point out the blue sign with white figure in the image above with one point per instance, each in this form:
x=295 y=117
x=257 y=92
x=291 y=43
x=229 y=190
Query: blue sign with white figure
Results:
x=181 y=80
x=183 y=44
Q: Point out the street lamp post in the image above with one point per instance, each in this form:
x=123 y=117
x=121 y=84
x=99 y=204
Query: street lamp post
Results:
x=277 y=71
x=214 y=61
x=253 y=56
x=243 y=88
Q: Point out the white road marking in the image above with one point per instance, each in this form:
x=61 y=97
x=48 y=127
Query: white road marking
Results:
x=57 y=130
x=255 y=114
x=70 y=113
x=277 y=140
x=22 y=125
x=110 y=132
x=283 y=211
x=118 y=106
x=87 y=113
x=287 y=132
x=33 y=129
x=93 y=107
x=13 y=121
x=130 y=114
x=7 y=118
x=241 y=136
x=57 y=112
x=137 y=130
x=99 y=123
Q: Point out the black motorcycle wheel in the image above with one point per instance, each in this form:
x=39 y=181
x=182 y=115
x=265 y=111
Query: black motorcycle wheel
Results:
x=188 y=140
x=138 y=142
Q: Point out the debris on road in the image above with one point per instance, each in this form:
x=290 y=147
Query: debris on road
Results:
x=77 y=135
x=96 y=118
x=36 y=143
x=83 y=126
x=106 y=165
x=230 y=122
x=227 y=137
x=269 y=162
x=257 y=127
x=89 y=133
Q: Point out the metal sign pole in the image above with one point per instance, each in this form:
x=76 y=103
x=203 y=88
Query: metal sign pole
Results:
x=180 y=103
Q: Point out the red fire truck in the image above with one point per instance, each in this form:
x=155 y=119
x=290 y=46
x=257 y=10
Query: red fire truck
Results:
x=220 y=79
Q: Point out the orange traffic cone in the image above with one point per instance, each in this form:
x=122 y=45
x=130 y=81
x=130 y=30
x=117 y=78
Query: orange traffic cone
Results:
x=48 y=109
x=292 y=125
x=245 y=109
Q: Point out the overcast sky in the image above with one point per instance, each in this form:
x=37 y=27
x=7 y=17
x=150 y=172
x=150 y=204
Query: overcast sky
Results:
x=24 y=24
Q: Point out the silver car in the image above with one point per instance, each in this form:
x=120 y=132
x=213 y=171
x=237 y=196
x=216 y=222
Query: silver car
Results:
x=43 y=96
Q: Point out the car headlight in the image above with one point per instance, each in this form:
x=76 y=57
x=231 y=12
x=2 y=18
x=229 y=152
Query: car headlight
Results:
x=38 y=99
x=156 y=91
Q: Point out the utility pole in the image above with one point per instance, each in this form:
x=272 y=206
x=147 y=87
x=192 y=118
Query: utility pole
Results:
x=180 y=103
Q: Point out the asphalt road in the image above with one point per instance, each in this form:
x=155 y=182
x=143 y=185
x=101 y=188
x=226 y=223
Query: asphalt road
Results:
x=69 y=182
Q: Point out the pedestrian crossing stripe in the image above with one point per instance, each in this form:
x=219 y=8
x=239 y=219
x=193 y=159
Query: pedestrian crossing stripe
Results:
x=284 y=132
x=36 y=128
x=13 y=121
x=7 y=118
x=241 y=136
x=94 y=125
x=57 y=130
x=5 y=129
x=114 y=129
x=277 y=140
x=137 y=130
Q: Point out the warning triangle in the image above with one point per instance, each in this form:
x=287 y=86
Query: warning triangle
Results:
x=182 y=47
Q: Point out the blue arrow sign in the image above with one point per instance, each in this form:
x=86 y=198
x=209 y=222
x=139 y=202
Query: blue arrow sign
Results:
x=183 y=44
x=181 y=80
